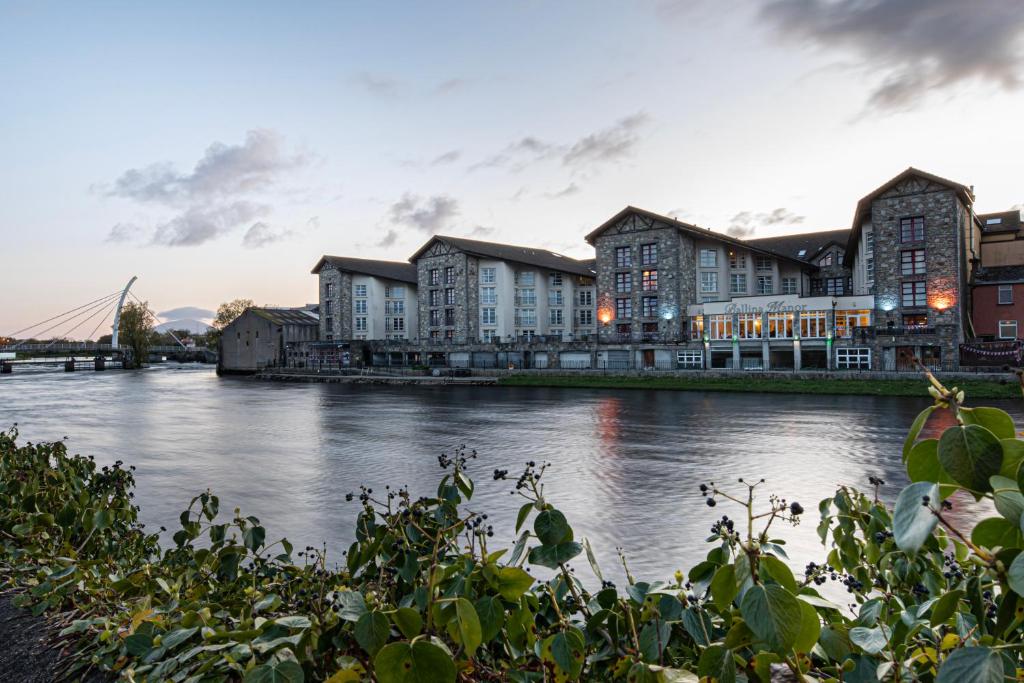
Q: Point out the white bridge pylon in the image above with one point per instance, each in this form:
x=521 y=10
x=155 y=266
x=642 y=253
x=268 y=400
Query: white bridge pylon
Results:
x=117 y=314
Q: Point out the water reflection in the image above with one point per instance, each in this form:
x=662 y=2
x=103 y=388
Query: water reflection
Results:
x=625 y=464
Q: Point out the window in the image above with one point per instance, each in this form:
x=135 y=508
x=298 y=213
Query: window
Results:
x=394 y=292
x=912 y=261
x=625 y=328
x=914 y=294
x=435 y=278
x=650 y=280
x=360 y=306
x=780 y=325
x=394 y=307
x=764 y=284
x=648 y=254
x=555 y=317
x=623 y=283
x=802 y=253
x=993 y=221
x=488 y=316
x=693 y=360
x=623 y=309
x=869 y=257
x=1007 y=329
x=623 y=257
x=586 y=317
x=329 y=323
x=834 y=286
x=708 y=258
x=853 y=359
x=449 y=335
x=764 y=264
x=737 y=261
x=487 y=276
x=435 y=318
x=709 y=282
x=813 y=324
x=526 y=278
x=526 y=317
x=489 y=336
x=449 y=297
x=328 y=289
x=395 y=324
x=360 y=324
x=789 y=285
x=696 y=327
x=1006 y=294
x=748 y=325
x=555 y=298
x=847 y=322
x=738 y=283
x=649 y=304
x=720 y=326
x=586 y=297
x=449 y=317
x=488 y=295
x=360 y=290
x=912 y=229
x=435 y=335
x=526 y=297
x=826 y=260
x=449 y=275
x=435 y=297
x=556 y=279
x=915 y=320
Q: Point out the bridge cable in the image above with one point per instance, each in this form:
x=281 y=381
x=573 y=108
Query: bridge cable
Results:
x=102 y=303
x=82 y=322
x=110 y=309
x=156 y=317
x=25 y=329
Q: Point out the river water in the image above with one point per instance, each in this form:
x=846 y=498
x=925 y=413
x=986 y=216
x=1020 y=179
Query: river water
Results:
x=626 y=464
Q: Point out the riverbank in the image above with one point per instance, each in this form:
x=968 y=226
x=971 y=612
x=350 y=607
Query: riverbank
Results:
x=911 y=386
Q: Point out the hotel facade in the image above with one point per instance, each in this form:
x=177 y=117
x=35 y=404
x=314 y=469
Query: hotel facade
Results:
x=665 y=294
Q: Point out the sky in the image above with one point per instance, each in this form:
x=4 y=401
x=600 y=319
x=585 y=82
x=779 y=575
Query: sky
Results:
x=217 y=150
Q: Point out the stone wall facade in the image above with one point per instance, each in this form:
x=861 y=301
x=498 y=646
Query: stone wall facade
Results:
x=463 y=316
x=335 y=307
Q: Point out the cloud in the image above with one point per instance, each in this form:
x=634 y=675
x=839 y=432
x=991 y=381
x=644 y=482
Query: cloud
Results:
x=608 y=145
x=451 y=85
x=481 y=231
x=260 y=234
x=679 y=214
x=193 y=312
x=200 y=224
x=745 y=223
x=377 y=84
x=389 y=239
x=123 y=232
x=570 y=190
x=519 y=154
x=446 y=158
x=918 y=46
x=429 y=215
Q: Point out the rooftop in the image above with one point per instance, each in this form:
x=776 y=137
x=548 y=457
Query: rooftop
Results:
x=805 y=245
x=400 y=271
x=533 y=256
x=287 y=316
x=997 y=274
x=1003 y=221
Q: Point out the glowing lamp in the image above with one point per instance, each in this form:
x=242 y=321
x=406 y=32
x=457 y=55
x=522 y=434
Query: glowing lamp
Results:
x=605 y=316
x=942 y=301
x=887 y=302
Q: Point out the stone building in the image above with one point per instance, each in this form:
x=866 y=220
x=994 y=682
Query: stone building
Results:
x=267 y=337
x=364 y=299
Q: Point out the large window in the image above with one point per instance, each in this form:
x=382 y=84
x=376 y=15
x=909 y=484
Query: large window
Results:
x=709 y=282
x=738 y=283
x=586 y=317
x=329 y=323
x=394 y=292
x=394 y=307
x=395 y=324
x=1007 y=329
x=360 y=324
x=555 y=316
x=914 y=294
x=915 y=320
x=586 y=297
x=764 y=264
x=1006 y=294
x=650 y=280
x=649 y=304
x=623 y=257
x=525 y=278
x=623 y=283
x=835 y=286
x=623 y=309
x=488 y=295
x=813 y=324
x=737 y=261
x=360 y=290
x=435 y=278
x=853 y=359
x=720 y=326
x=691 y=360
x=825 y=260
x=764 y=284
x=488 y=316
x=780 y=325
x=848 y=321
x=648 y=254
x=360 y=306
x=449 y=275
x=696 y=327
x=555 y=298
x=912 y=261
x=556 y=279
x=748 y=325
x=328 y=289
x=526 y=297
x=435 y=297
x=488 y=276
x=449 y=317
x=790 y=285
x=526 y=318
x=435 y=318
x=708 y=258
x=912 y=229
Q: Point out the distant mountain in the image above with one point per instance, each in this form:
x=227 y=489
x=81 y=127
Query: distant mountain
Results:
x=191 y=324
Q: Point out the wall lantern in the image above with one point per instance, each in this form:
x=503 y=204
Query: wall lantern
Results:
x=887 y=302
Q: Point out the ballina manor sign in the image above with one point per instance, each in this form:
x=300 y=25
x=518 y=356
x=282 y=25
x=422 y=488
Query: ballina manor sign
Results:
x=770 y=307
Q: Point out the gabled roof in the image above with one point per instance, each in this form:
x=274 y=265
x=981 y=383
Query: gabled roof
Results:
x=805 y=246
x=864 y=205
x=533 y=256
x=287 y=316
x=689 y=229
x=1003 y=221
x=388 y=270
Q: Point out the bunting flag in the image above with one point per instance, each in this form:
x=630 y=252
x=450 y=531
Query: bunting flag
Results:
x=1015 y=352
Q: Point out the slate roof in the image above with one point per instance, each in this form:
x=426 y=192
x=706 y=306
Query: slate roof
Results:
x=1003 y=221
x=811 y=243
x=533 y=256
x=388 y=270
x=997 y=274
x=287 y=316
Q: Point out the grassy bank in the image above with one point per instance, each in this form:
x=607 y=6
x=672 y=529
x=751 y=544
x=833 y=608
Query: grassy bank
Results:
x=912 y=386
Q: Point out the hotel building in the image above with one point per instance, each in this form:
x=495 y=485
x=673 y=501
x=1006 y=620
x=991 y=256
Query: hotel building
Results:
x=363 y=299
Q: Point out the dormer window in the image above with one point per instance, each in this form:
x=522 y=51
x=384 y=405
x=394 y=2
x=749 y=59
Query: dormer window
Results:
x=801 y=253
x=993 y=221
x=826 y=260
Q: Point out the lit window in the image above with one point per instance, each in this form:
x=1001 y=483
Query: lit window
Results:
x=813 y=324
x=748 y=325
x=847 y=322
x=780 y=325
x=720 y=326
x=1007 y=329
x=696 y=327
x=650 y=280
x=915 y=320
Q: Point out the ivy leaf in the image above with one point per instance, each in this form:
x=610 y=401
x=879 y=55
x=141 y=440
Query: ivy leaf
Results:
x=468 y=623
x=417 y=662
x=912 y=521
x=915 y=429
x=372 y=631
x=996 y=421
x=1007 y=497
x=773 y=614
x=943 y=608
x=524 y=512
x=353 y=605
x=513 y=582
x=972 y=665
x=492 y=617
x=253 y=537
x=970 y=454
x=871 y=640
x=717 y=664
x=810 y=628
x=723 y=587
x=551 y=527
x=923 y=465
x=551 y=556
x=408 y=621
x=566 y=650
x=995 y=532
x=1015 y=574
x=282 y=672
x=654 y=638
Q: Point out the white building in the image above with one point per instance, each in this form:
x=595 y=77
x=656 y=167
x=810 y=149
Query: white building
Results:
x=364 y=299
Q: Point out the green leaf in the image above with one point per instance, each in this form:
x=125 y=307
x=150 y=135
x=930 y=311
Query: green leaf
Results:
x=654 y=637
x=524 y=512
x=295 y=621
x=102 y=519
x=282 y=672
x=810 y=628
x=995 y=532
x=915 y=429
x=717 y=663
x=176 y=637
x=723 y=587
x=492 y=617
x=253 y=537
x=871 y=640
x=1013 y=455
x=972 y=665
x=592 y=560
x=1015 y=574
x=698 y=624
x=551 y=527
x=468 y=623
x=520 y=545
x=970 y=454
x=352 y=603
x=566 y=649
x=777 y=570
x=913 y=522
x=267 y=603
x=372 y=631
x=996 y=421
x=408 y=621
x=551 y=556
x=773 y=614
x=513 y=582
x=1007 y=497
x=943 y=608
x=417 y=662
x=923 y=465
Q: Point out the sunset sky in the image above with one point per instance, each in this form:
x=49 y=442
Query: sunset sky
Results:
x=216 y=150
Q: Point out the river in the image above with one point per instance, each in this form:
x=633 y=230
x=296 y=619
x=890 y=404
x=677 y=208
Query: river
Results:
x=625 y=465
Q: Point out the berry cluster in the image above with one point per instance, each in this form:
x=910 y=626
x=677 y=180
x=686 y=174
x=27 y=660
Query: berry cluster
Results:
x=459 y=459
x=723 y=527
x=953 y=569
x=500 y=474
x=474 y=523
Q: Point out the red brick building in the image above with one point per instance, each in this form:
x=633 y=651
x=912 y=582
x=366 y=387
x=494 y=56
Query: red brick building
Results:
x=998 y=288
